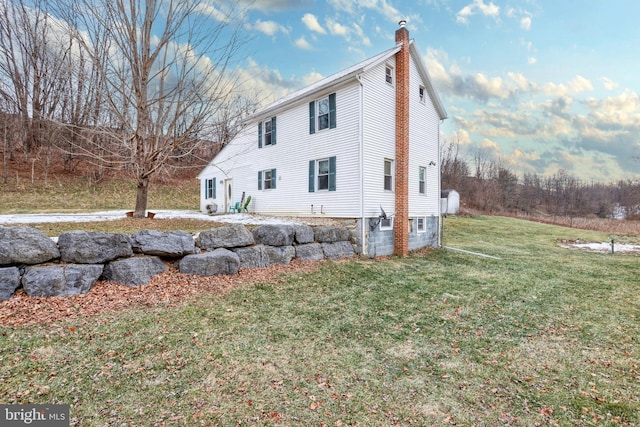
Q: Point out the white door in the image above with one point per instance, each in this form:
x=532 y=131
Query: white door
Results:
x=228 y=197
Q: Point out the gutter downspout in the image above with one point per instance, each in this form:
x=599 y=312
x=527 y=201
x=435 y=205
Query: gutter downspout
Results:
x=363 y=225
x=439 y=195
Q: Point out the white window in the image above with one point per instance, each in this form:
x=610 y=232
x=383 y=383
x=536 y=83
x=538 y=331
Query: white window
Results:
x=322 y=175
x=422 y=95
x=210 y=188
x=322 y=114
x=388 y=74
x=422 y=224
x=388 y=175
x=267 y=179
x=386 y=224
x=267 y=133
x=422 y=187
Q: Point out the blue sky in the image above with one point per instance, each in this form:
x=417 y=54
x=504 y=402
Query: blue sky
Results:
x=540 y=85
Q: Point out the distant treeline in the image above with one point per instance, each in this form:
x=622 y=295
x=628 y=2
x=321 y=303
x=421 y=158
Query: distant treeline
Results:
x=491 y=186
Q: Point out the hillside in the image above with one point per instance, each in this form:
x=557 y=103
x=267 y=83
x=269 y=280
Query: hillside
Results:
x=48 y=185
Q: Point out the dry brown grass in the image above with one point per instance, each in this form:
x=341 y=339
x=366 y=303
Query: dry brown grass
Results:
x=617 y=228
x=611 y=226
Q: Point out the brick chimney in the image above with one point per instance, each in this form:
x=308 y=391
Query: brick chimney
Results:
x=401 y=227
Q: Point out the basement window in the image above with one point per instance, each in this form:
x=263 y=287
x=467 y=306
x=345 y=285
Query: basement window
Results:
x=386 y=224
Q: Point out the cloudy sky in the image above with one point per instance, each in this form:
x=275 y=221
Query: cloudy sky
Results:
x=542 y=85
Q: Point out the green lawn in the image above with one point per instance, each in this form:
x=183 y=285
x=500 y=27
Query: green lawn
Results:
x=543 y=336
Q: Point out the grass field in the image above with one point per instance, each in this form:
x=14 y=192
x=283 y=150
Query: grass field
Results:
x=542 y=336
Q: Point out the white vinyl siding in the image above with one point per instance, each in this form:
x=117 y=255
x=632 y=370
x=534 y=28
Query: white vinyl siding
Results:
x=379 y=139
x=242 y=160
x=359 y=181
x=423 y=149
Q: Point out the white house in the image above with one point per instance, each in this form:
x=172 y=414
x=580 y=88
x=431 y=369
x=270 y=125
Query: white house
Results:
x=361 y=145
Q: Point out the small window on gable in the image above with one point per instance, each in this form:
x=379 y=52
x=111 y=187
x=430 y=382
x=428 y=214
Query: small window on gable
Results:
x=388 y=74
x=422 y=180
x=388 y=175
x=210 y=188
x=422 y=94
x=267 y=133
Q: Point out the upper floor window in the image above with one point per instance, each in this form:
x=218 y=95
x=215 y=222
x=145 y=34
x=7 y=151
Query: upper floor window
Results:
x=322 y=114
x=267 y=179
x=422 y=94
x=388 y=74
x=422 y=180
x=267 y=133
x=388 y=175
x=210 y=188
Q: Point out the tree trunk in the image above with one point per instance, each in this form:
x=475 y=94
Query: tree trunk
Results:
x=142 y=193
x=5 y=146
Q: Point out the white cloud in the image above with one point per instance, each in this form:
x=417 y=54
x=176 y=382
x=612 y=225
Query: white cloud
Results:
x=311 y=78
x=312 y=23
x=580 y=84
x=525 y=23
x=352 y=7
x=213 y=12
x=462 y=137
x=627 y=102
x=358 y=30
x=532 y=60
x=267 y=82
x=608 y=83
x=269 y=28
x=478 y=6
x=484 y=87
x=337 y=29
x=489 y=145
x=521 y=81
x=302 y=43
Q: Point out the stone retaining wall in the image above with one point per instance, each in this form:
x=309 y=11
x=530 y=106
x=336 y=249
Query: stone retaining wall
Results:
x=42 y=267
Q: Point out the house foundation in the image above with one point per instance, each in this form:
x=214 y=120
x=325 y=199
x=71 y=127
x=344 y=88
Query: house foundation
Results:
x=379 y=242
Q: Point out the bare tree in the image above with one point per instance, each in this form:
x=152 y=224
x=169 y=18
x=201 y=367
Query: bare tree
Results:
x=166 y=67
x=453 y=169
x=32 y=74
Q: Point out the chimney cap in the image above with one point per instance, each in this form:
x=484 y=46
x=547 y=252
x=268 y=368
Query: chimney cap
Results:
x=402 y=23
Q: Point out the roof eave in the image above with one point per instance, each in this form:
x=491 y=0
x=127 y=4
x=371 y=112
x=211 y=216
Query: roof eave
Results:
x=287 y=103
